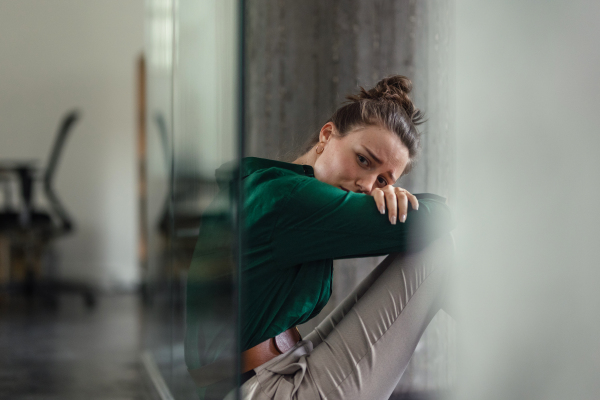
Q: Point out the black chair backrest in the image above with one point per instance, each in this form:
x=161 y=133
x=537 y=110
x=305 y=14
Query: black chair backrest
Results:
x=61 y=136
x=66 y=222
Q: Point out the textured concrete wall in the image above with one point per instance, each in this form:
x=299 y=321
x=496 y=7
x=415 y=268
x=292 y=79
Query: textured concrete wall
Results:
x=303 y=58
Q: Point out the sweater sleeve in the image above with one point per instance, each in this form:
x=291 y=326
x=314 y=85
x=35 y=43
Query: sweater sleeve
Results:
x=319 y=221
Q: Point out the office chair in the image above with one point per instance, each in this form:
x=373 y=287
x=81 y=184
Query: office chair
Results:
x=45 y=225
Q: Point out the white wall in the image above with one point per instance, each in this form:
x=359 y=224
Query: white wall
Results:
x=528 y=139
x=56 y=55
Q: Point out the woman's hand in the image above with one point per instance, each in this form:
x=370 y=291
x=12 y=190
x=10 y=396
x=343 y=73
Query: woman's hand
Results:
x=397 y=202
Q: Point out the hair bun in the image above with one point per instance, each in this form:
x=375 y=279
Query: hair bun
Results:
x=395 y=89
x=394 y=85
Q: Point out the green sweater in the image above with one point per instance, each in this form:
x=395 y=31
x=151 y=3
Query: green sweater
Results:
x=295 y=226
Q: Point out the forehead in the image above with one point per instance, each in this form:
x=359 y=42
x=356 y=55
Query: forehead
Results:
x=385 y=145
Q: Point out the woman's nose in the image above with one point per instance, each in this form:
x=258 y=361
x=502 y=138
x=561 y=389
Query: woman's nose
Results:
x=366 y=184
x=363 y=190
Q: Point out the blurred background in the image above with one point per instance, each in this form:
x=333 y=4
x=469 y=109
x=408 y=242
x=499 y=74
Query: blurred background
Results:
x=115 y=114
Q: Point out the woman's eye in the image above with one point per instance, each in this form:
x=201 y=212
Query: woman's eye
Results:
x=382 y=181
x=363 y=160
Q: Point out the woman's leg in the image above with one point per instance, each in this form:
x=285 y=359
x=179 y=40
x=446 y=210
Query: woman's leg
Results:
x=324 y=328
x=364 y=345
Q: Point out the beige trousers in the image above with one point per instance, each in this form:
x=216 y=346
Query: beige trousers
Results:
x=362 y=348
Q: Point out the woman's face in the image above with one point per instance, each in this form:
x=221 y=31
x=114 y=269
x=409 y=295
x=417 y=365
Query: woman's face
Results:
x=364 y=159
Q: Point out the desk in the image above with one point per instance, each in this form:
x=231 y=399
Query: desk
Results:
x=25 y=171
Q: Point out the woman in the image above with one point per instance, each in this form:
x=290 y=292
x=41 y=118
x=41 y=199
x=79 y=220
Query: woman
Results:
x=336 y=200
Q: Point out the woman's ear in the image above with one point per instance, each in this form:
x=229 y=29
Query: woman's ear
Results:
x=327 y=132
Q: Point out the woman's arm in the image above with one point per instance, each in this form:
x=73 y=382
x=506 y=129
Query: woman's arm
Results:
x=318 y=221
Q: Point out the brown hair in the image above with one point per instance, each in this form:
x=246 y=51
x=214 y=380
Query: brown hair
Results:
x=387 y=105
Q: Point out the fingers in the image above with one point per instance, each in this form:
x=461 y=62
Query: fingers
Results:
x=402 y=199
x=379 y=200
x=396 y=199
x=392 y=204
x=413 y=200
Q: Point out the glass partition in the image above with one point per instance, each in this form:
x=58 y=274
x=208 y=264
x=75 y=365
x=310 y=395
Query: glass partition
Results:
x=193 y=153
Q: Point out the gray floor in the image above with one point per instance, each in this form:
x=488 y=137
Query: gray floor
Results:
x=72 y=353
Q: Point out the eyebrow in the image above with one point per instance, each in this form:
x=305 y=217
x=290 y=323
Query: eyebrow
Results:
x=378 y=161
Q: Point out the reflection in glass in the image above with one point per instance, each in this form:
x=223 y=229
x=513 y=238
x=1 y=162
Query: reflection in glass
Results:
x=192 y=131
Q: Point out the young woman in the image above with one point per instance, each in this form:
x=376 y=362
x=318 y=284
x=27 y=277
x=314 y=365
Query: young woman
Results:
x=337 y=200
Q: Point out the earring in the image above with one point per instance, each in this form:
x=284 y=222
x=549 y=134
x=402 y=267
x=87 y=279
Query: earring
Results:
x=319 y=148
